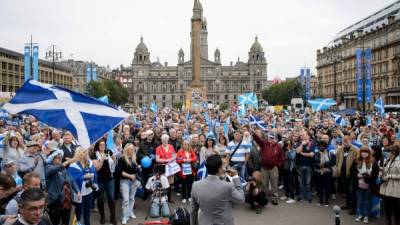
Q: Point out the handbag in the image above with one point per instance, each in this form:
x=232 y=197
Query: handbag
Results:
x=335 y=171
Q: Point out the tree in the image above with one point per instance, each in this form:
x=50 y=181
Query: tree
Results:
x=282 y=93
x=117 y=94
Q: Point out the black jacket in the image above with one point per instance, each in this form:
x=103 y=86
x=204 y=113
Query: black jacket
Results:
x=68 y=153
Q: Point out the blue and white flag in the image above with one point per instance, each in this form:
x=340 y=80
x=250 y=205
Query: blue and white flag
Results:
x=110 y=134
x=205 y=105
x=202 y=171
x=248 y=99
x=242 y=109
x=319 y=104
x=3 y=114
x=226 y=126
x=339 y=119
x=187 y=117
x=211 y=135
x=87 y=118
x=257 y=121
x=153 y=107
x=380 y=106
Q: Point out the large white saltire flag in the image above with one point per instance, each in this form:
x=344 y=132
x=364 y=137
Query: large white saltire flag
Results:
x=87 y=118
x=249 y=99
x=321 y=103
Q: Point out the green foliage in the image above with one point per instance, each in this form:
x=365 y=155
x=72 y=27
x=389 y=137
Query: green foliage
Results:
x=117 y=94
x=282 y=93
x=177 y=105
x=223 y=106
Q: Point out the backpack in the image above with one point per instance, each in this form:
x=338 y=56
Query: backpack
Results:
x=181 y=217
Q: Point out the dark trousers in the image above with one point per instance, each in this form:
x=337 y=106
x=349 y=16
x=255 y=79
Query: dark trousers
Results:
x=84 y=208
x=324 y=186
x=349 y=188
x=187 y=183
x=58 y=215
x=106 y=187
x=392 y=209
x=289 y=183
x=260 y=199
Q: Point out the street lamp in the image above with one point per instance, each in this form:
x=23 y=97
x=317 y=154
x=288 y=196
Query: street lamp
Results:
x=335 y=60
x=54 y=53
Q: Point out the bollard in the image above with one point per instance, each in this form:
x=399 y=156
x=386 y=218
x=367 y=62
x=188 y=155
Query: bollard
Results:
x=336 y=210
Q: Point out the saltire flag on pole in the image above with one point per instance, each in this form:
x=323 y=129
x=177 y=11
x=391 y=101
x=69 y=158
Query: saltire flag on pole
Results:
x=202 y=171
x=261 y=124
x=321 y=103
x=379 y=105
x=339 y=119
x=110 y=135
x=249 y=99
x=153 y=107
x=87 y=118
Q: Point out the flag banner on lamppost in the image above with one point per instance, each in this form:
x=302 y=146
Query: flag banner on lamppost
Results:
x=27 y=63
x=302 y=77
x=94 y=73
x=35 y=62
x=368 y=87
x=88 y=73
x=359 y=75
x=308 y=80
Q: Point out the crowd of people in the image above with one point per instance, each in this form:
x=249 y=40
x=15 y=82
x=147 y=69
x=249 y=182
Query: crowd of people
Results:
x=154 y=155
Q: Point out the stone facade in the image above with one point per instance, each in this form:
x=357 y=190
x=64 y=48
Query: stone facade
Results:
x=167 y=85
x=336 y=63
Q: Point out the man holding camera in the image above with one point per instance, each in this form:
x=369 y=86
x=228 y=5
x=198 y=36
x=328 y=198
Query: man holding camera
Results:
x=214 y=195
x=256 y=196
x=158 y=185
x=33 y=160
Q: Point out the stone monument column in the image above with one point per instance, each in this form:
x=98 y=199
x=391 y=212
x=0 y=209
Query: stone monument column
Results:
x=196 y=93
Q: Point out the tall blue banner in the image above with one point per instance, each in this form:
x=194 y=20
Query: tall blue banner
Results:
x=94 y=73
x=308 y=85
x=368 y=86
x=302 y=76
x=27 y=63
x=88 y=73
x=359 y=75
x=35 y=62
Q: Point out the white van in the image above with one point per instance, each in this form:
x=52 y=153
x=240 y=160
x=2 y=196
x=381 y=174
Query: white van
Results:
x=297 y=104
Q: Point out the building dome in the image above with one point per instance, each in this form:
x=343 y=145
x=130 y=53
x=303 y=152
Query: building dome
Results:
x=256 y=47
x=141 y=47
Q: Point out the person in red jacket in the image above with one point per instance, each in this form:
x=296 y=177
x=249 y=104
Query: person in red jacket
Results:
x=272 y=157
x=186 y=157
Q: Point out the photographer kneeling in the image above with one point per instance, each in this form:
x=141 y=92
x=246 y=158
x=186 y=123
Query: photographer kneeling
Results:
x=255 y=196
x=158 y=185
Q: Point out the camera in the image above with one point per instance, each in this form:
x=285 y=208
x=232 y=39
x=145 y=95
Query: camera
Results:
x=89 y=184
x=250 y=179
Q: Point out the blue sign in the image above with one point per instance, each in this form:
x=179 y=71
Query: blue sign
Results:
x=359 y=75
x=88 y=73
x=308 y=85
x=35 y=62
x=27 y=63
x=94 y=73
x=368 y=86
x=302 y=76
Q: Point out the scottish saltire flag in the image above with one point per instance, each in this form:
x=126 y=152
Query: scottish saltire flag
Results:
x=242 y=109
x=3 y=114
x=153 y=107
x=110 y=135
x=202 y=171
x=249 y=99
x=319 y=104
x=205 y=105
x=379 y=105
x=87 y=118
x=187 y=118
x=339 y=119
x=226 y=125
x=257 y=121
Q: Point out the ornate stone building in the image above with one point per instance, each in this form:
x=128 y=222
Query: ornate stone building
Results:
x=336 y=76
x=166 y=85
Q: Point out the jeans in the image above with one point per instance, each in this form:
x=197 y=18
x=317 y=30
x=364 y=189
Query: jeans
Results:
x=106 y=187
x=84 y=208
x=363 y=202
x=156 y=207
x=349 y=187
x=305 y=182
x=289 y=183
x=128 y=191
x=324 y=186
x=240 y=168
x=270 y=177
x=187 y=183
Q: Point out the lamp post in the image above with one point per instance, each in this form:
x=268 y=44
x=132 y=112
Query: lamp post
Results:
x=336 y=60
x=54 y=53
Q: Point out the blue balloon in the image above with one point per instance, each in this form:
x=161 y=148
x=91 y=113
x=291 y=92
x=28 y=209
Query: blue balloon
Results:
x=146 y=162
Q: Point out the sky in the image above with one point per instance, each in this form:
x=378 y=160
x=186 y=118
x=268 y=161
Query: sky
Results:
x=108 y=31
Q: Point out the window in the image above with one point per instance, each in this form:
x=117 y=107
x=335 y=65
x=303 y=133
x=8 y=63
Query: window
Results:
x=140 y=98
x=154 y=97
x=226 y=97
x=163 y=97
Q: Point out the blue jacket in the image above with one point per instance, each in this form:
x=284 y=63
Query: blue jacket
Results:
x=328 y=165
x=77 y=172
x=56 y=176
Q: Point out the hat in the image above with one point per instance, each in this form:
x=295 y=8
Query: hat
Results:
x=32 y=143
x=8 y=163
x=54 y=154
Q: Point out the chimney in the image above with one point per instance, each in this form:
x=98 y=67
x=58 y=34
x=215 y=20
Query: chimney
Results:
x=166 y=64
x=391 y=19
